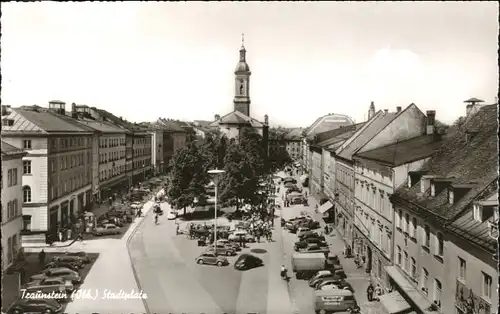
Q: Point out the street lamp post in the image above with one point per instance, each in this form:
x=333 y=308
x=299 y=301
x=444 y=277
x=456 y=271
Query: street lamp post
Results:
x=216 y=175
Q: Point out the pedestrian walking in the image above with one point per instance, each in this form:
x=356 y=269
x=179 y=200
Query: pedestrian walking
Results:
x=326 y=229
x=378 y=292
x=41 y=258
x=369 y=292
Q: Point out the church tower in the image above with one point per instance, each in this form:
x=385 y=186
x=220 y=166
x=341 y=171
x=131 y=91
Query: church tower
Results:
x=242 y=83
x=371 y=111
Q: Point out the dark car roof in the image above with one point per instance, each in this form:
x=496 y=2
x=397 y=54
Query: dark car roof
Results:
x=248 y=256
x=25 y=301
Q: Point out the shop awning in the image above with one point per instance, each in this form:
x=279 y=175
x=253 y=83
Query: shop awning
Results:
x=394 y=303
x=325 y=207
x=409 y=289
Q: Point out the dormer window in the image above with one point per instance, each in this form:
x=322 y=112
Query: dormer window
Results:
x=451 y=197
x=484 y=211
x=7 y=122
x=478 y=212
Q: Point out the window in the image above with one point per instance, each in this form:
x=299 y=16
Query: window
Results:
x=12 y=177
x=433 y=190
x=451 y=197
x=406 y=223
x=399 y=255
x=389 y=243
x=27 y=167
x=9 y=209
x=424 y=277
x=462 y=269
x=427 y=236
x=26 y=194
x=9 y=177
x=7 y=122
x=405 y=266
x=438 y=287
x=413 y=228
x=486 y=288
x=413 y=268
x=440 y=244
x=27 y=144
x=399 y=216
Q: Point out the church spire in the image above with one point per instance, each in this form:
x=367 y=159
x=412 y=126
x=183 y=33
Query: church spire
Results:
x=242 y=49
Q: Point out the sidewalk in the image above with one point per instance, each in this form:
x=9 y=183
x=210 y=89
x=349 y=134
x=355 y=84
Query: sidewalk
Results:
x=357 y=277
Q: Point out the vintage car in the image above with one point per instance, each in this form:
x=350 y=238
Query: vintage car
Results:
x=314 y=248
x=247 y=261
x=63 y=272
x=82 y=255
x=241 y=235
x=49 y=284
x=222 y=250
x=211 y=259
x=26 y=305
x=106 y=229
x=77 y=260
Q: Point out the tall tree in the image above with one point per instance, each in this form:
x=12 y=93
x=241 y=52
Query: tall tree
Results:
x=187 y=177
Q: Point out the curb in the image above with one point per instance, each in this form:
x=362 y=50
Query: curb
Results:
x=134 y=271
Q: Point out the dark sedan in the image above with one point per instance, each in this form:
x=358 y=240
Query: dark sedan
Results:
x=247 y=261
x=26 y=305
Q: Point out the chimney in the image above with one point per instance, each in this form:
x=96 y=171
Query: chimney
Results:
x=386 y=111
x=468 y=109
x=431 y=119
x=217 y=117
x=74 y=114
x=398 y=109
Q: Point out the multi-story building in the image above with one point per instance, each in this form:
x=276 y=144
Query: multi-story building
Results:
x=175 y=138
x=446 y=223
x=293 y=144
x=344 y=185
x=141 y=163
x=109 y=169
x=57 y=182
x=157 y=150
x=378 y=172
x=323 y=124
x=13 y=168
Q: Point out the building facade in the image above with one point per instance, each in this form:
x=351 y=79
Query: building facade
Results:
x=141 y=162
x=446 y=224
x=59 y=152
x=13 y=168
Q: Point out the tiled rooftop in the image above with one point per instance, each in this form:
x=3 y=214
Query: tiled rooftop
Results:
x=463 y=159
x=371 y=128
x=404 y=152
x=101 y=126
x=328 y=122
x=35 y=121
x=8 y=149
x=237 y=117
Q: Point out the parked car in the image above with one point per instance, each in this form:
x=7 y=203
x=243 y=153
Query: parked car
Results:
x=313 y=234
x=69 y=259
x=83 y=255
x=314 y=248
x=247 y=261
x=112 y=221
x=298 y=200
x=302 y=230
x=222 y=250
x=331 y=286
x=211 y=259
x=235 y=246
x=316 y=280
x=26 y=305
x=106 y=229
x=336 y=281
x=305 y=243
x=136 y=205
x=57 y=284
x=63 y=272
x=241 y=234
x=69 y=265
x=309 y=223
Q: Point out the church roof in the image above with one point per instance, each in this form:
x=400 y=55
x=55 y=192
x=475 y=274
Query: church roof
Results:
x=237 y=118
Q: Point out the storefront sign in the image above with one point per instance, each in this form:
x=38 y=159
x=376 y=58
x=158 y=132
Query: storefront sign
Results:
x=469 y=303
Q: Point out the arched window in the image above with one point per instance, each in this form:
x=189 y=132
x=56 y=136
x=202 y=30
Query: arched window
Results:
x=26 y=194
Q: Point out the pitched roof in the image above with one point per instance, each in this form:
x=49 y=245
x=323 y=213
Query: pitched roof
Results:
x=366 y=133
x=237 y=117
x=328 y=122
x=8 y=149
x=340 y=138
x=404 y=152
x=202 y=123
x=49 y=122
x=101 y=126
x=474 y=99
x=474 y=160
x=294 y=134
x=323 y=136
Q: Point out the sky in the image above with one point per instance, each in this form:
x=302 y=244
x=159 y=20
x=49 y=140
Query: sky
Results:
x=176 y=60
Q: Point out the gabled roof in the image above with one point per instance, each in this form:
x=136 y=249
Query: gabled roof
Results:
x=323 y=136
x=237 y=118
x=202 y=123
x=328 y=122
x=43 y=121
x=120 y=122
x=8 y=149
x=337 y=140
x=472 y=161
x=405 y=152
x=366 y=133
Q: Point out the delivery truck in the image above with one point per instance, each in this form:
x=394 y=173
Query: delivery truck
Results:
x=305 y=265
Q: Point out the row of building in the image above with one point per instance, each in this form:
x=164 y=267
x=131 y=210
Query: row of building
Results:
x=417 y=200
x=56 y=163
